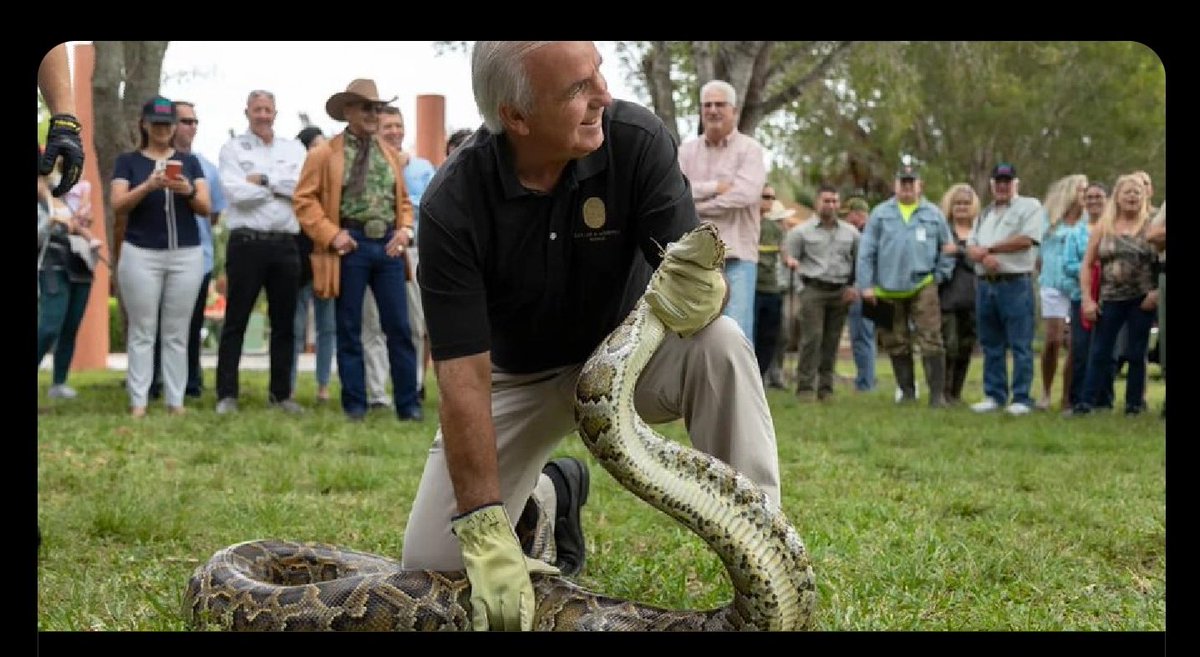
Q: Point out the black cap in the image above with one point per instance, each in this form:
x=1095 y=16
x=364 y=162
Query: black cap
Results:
x=908 y=172
x=1004 y=170
x=159 y=110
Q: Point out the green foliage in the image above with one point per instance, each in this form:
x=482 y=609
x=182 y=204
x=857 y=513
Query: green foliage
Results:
x=957 y=108
x=915 y=519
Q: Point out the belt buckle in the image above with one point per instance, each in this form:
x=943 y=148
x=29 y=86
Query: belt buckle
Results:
x=375 y=229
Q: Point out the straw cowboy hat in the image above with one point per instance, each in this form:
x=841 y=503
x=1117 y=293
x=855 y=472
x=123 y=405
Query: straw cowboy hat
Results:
x=358 y=91
x=779 y=211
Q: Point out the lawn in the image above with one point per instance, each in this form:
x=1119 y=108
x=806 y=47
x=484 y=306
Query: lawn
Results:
x=916 y=519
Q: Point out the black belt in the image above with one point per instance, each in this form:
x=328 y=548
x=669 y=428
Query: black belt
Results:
x=375 y=229
x=1001 y=278
x=820 y=284
x=264 y=235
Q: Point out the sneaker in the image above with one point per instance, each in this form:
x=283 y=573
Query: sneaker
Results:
x=288 y=406
x=1017 y=408
x=62 y=391
x=570 y=478
x=986 y=406
x=379 y=405
x=227 y=405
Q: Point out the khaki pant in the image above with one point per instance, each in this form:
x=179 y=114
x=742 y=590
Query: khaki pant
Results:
x=710 y=380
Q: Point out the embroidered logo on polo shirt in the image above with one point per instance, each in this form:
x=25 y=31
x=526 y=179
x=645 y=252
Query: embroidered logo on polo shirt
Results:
x=593 y=213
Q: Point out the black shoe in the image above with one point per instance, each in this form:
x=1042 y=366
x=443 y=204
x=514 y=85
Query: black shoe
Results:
x=356 y=416
x=570 y=478
x=415 y=415
x=194 y=393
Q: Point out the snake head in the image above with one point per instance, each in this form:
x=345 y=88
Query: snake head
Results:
x=701 y=246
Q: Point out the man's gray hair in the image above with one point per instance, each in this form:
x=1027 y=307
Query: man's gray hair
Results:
x=260 y=93
x=724 y=87
x=498 y=77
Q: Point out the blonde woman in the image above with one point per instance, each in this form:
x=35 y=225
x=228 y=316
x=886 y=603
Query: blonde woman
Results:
x=960 y=205
x=1064 y=209
x=1127 y=295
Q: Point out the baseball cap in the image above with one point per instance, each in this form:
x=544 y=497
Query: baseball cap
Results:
x=908 y=172
x=1004 y=170
x=159 y=110
x=856 y=203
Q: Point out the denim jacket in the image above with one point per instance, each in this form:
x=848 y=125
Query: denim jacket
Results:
x=897 y=255
x=1074 y=248
x=1055 y=243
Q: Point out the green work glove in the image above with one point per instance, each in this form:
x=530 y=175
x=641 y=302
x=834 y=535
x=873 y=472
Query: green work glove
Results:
x=687 y=291
x=501 y=591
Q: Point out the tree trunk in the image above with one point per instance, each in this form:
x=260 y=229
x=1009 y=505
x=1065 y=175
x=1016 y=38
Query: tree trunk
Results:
x=127 y=74
x=656 y=70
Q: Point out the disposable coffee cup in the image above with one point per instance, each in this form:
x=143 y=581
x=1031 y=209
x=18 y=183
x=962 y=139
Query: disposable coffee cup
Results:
x=174 y=169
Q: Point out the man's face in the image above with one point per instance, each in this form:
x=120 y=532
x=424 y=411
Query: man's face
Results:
x=768 y=199
x=1003 y=189
x=569 y=97
x=185 y=132
x=261 y=114
x=391 y=129
x=907 y=190
x=827 y=205
x=716 y=114
x=362 y=117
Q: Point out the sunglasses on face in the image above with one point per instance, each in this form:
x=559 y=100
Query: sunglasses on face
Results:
x=767 y=197
x=373 y=107
x=190 y=121
x=719 y=104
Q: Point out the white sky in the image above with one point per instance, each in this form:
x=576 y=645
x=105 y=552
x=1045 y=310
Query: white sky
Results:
x=218 y=75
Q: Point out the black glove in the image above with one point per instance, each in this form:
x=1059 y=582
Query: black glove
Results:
x=63 y=141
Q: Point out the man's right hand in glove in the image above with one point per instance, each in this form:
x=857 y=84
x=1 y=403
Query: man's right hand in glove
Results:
x=501 y=591
x=63 y=141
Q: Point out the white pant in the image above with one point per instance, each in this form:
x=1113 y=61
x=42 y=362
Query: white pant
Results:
x=154 y=283
x=710 y=380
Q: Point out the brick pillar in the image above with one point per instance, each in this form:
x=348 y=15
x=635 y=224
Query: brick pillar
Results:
x=431 y=128
x=91 y=345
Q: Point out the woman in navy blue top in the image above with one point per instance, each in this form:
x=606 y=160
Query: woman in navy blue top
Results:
x=161 y=264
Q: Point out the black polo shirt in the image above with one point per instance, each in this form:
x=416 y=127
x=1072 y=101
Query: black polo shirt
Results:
x=540 y=279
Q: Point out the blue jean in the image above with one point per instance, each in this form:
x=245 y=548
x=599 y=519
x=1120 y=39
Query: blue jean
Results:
x=742 y=276
x=60 y=312
x=325 y=321
x=370 y=265
x=1081 y=353
x=1115 y=315
x=862 y=344
x=1004 y=313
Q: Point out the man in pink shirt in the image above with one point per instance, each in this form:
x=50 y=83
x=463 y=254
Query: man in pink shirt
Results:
x=727 y=172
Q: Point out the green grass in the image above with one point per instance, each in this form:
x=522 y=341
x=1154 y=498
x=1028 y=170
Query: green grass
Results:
x=915 y=519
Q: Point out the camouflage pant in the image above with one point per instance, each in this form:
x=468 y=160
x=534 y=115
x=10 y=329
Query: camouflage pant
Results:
x=917 y=318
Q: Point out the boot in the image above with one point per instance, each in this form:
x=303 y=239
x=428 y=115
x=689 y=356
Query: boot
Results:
x=902 y=366
x=952 y=365
x=935 y=375
x=960 y=377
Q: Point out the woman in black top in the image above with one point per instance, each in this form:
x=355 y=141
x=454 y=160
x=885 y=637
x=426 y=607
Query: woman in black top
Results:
x=161 y=264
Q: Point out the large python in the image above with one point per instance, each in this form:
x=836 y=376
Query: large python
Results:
x=280 y=585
